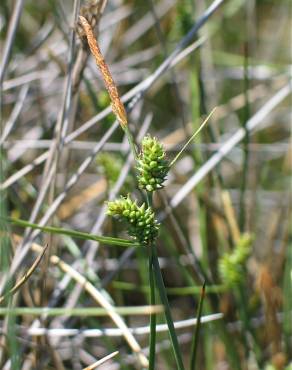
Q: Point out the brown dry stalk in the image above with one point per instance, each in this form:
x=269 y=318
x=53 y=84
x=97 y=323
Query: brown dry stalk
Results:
x=25 y=276
x=272 y=299
x=102 y=361
x=117 y=106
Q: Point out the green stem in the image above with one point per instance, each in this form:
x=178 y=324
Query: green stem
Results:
x=246 y=115
x=197 y=331
x=73 y=233
x=131 y=142
x=181 y=291
x=164 y=300
x=244 y=315
x=152 y=339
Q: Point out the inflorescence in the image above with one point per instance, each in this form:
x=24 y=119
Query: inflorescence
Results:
x=152 y=165
x=142 y=223
x=232 y=265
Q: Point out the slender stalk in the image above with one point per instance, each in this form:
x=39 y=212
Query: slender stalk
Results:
x=152 y=338
x=246 y=140
x=169 y=320
x=101 y=361
x=80 y=311
x=131 y=142
x=244 y=316
x=26 y=276
x=77 y=234
x=197 y=331
x=180 y=291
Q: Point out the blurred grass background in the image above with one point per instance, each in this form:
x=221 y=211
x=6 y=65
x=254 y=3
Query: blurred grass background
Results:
x=62 y=157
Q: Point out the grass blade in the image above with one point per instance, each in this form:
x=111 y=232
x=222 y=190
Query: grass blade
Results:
x=101 y=361
x=76 y=234
x=164 y=300
x=197 y=330
x=152 y=341
x=25 y=277
x=192 y=137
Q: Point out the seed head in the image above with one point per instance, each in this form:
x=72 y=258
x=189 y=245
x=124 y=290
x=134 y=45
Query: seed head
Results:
x=142 y=224
x=152 y=165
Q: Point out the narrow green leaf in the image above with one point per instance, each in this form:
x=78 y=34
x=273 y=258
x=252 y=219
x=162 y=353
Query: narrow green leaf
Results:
x=76 y=234
x=192 y=137
x=164 y=300
x=197 y=330
x=152 y=341
x=179 y=291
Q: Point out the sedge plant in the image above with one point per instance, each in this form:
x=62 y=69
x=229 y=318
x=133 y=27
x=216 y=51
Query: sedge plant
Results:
x=152 y=168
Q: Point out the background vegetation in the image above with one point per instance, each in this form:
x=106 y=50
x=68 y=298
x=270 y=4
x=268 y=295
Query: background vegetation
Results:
x=224 y=211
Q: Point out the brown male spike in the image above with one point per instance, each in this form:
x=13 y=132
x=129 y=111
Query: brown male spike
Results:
x=117 y=106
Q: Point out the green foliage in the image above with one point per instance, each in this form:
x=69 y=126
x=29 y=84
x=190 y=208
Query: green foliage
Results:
x=232 y=265
x=152 y=164
x=73 y=233
x=110 y=166
x=142 y=224
x=194 y=239
x=184 y=16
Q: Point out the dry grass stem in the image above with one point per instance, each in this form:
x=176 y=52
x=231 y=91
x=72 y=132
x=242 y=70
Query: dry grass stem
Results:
x=102 y=361
x=98 y=297
x=26 y=276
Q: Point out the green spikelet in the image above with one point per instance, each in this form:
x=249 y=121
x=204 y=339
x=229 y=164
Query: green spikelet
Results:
x=142 y=224
x=152 y=165
x=110 y=166
x=232 y=265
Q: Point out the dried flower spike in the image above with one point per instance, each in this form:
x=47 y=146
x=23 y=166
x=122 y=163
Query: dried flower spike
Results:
x=152 y=165
x=92 y=11
x=142 y=224
x=117 y=106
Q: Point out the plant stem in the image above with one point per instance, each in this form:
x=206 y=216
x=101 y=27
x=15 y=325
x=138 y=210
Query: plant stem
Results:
x=73 y=233
x=197 y=331
x=152 y=339
x=164 y=300
x=248 y=332
x=131 y=142
x=246 y=116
